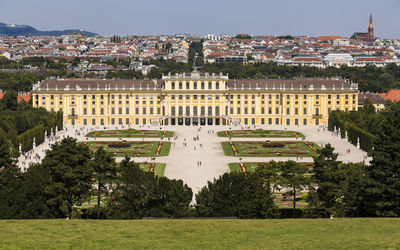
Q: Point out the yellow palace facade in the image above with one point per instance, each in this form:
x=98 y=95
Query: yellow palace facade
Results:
x=196 y=99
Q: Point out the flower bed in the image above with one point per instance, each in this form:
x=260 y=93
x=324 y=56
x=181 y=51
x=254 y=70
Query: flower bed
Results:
x=310 y=146
x=233 y=148
x=159 y=148
x=269 y=149
x=243 y=168
x=133 y=148
x=130 y=133
x=260 y=133
x=273 y=145
x=118 y=145
x=151 y=168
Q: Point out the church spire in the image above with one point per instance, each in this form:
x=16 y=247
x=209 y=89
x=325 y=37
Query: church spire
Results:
x=370 y=20
x=371 y=28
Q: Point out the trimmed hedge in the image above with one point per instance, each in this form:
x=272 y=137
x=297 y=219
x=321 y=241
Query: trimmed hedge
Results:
x=339 y=119
x=49 y=122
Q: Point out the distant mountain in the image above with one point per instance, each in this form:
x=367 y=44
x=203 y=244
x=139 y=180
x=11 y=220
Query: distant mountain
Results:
x=26 y=30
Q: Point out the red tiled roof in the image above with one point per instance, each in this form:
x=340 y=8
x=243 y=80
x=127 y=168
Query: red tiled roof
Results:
x=329 y=37
x=393 y=95
x=25 y=96
x=368 y=59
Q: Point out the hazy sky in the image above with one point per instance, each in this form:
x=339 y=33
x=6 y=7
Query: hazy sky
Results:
x=256 y=17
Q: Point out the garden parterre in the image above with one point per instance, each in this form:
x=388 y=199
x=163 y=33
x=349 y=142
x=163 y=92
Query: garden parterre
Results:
x=134 y=133
x=261 y=133
x=256 y=149
x=133 y=149
x=252 y=166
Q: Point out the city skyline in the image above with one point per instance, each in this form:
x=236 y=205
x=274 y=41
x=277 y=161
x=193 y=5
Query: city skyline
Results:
x=309 y=18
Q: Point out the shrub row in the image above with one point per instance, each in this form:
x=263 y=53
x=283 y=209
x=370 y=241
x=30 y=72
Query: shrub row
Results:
x=338 y=119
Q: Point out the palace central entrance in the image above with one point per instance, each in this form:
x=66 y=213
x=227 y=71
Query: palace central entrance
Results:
x=195 y=121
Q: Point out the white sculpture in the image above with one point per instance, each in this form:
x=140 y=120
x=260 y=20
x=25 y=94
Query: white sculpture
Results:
x=358 y=142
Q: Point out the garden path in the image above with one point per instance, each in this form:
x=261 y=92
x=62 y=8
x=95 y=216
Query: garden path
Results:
x=182 y=160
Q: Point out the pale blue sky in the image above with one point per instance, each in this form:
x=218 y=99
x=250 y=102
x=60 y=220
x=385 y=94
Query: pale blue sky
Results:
x=256 y=17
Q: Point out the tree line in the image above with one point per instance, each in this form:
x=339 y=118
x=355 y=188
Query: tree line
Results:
x=362 y=125
x=70 y=175
x=369 y=78
x=22 y=123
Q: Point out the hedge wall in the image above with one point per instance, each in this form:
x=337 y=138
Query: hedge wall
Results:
x=26 y=138
x=338 y=119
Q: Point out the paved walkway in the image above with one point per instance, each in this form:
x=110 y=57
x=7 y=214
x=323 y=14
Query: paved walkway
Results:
x=182 y=162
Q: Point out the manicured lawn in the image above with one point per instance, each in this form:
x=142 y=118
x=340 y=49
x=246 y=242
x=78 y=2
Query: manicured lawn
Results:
x=260 y=133
x=159 y=168
x=251 y=166
x=360 y=233
x=130 y=133
x=256 y=149
x=143 y=148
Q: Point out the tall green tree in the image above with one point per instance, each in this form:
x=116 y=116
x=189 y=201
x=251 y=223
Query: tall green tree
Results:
x=33 y=194
x=234 y=194
x=8 y=153
x=292 y=177
x=71 y=175
x=140 y=194
x=103 y=165
x=351 y=197
x=384 y=170
x=325 y=169
x=10 y=99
